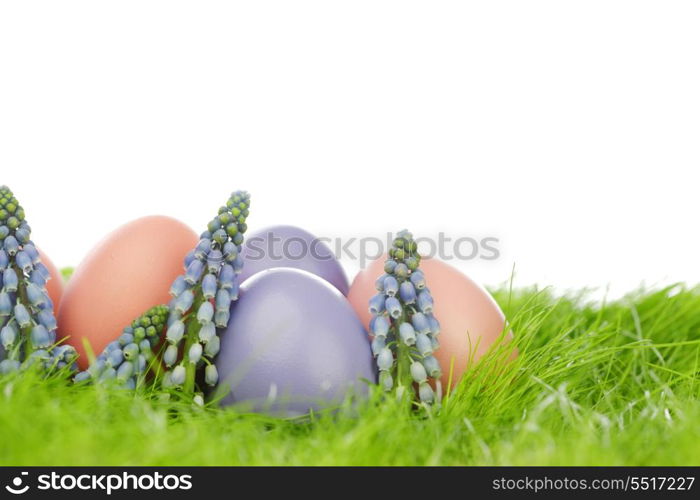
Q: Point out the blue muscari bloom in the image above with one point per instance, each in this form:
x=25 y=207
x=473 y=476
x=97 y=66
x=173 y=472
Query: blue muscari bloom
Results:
x=379 y=283
x=141 y=364
x=33 y=253
x=22 y=234
x=393 y=307
x=376 y=304
x=125 y=371
x=4 y=259
x=220 y=236
x=81 y=377
x=170 y=355
x=420 y=323
x=418 y=279
x=205 y=312
x=177 y=376
x=24 y=320
x=126 y=338
x=130 y=384
x=108 y=374
x=230 y=251
x=189 y=258
x=221 y=318
x=194 y=272
x=8 y=336
x=389 y=266
x=131 y=351
x=205 y=235
x=238 y=264
x=11 y=245
x=407 y=292
x=391 y=286
x=195 y=353
x=211 y=375
x=425 y=392
x=209 y=286
x=9 y=280
x=212 y=347
x=425 y=302
x=5 y=304
x=385 y=359
x=380 y=326
x=173 y=315
x=35 y=295
x=40 y=336
x=223 y=300
x=97 y=367
x=407 y=334
x=434 y=325
x=39 y=266
x=37 y=278
x=207 y=332
x=145 y=347
x=401 y=271
x=424 y=344
x=178 y=286
x=47 y=305
x=115 y=357
x=113 y=345
x=4 y=231
x=24 y=261
x=202 y=249
x=233 y=292
x=184 y=301
x=175 y=332
x=9 y=366
x=214 y=261
x=227 y=277
x=378 y=344
x=386 y=381
x=238 y=239
x=432 y=366
x=418 y=372
x=214 y=224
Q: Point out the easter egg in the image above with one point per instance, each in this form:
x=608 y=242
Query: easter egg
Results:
x=469 y=317
x=293 y=344
x=54 y=287
x=127 y=273
x=289 y=246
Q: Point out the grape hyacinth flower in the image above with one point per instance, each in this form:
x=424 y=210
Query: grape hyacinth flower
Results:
x=27 y=320
x=128 y=358
x=202 y=298
x=403 y=325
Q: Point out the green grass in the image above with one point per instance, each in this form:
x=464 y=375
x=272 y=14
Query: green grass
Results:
x=594 y=385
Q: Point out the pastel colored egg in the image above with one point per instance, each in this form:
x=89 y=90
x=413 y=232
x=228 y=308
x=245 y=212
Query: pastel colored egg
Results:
x=293 y=344
x=468 y=314
x=289 y=246
x=127 y=273
x=54 y=286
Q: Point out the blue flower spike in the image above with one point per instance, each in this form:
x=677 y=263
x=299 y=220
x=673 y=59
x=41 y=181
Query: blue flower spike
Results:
x=404 y=327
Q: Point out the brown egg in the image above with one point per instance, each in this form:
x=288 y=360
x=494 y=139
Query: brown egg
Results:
x=54 y=286
x=128 y=272
x=467 y=313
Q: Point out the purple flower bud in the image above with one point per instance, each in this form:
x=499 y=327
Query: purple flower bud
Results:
x=22 y=316
x=189 y=258
x=170 y=355
x=184 y=301
x=131 y=351
x=209 y=286
x=22 y=234
x=207 y=332
x=33 y=253
x=432 y=366
x=8 y=336
x=177 y=376
x=212 y=347
x=221 y=318
x=407 y=334
x=425 y=302
x=230 y=251
x=238 y=261
x=194 y=272
x=214 y=261
x=11 y=245
x=37 y=278
x=401 y=271
x=434 y=325
x=211 y=375
x=202 y=249
x=389 y=266
x=81 y=377
x=115 y=358
x=5 y=304
x=418 y=279
x=178 y=286
x=9 y=366
x=223 y=300
x=393 y=307
x=4 y=259
x=376 y=304
x=391 y=286
x=385 y=359
x=227 y=277
x=205 y=312
x=195 y=353
x=9 y=280
x=378 y=344
x=40 y=336
x=24 y=261
x=425 y=392
x=175 y=332
x=420 y=323
x=35 y=295
x=423 y=344
x=125 y=371
x=43 y=270
x=379 y=326
x=407 y=292
x=418 y=372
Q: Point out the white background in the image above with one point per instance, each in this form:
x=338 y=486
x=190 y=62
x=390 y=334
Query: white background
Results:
x=570 y=130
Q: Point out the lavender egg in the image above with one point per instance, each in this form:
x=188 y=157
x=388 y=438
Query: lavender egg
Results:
x=293 y=344
x=289 y=246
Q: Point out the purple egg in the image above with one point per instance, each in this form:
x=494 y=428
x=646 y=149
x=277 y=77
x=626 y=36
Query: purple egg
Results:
x=289 y=246
x=293 y=344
